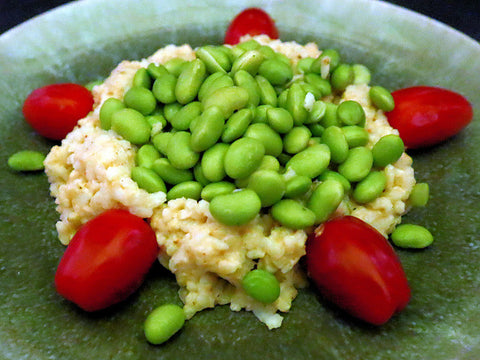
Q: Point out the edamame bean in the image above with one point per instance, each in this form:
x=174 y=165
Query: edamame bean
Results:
x=169 y=173
x=275 y=71
x=142 y=79
x=282 y=99
x=341 y=77
x=296 y=139
x=322 y=85
x=419 y=195
x=269 y=162
x=411 y=236
x=248 y=82
x=146 y=155
x=213 y=82
x=361 y=74
x=310 y=162
x=334 y=138
x=161 y=140
x=280 y=120
x=148 y=180
x=131 y=125
x=295 y=104
x=261 y=285
x=260 y=114
x=187 y=189
x=316 y=129
x=163 y=322
x=272 y=142
x=215 y=60
x=208 y=129
x=355 y=136
x=189 y=81
x=267 y=51
x=236 y=125
x=283 y=58
x=387 y=150
x=351 y=113
x=269 y=186
x=325 y=199
x=236 y=208
x=314 y=140
x=212 y=162
x=297 y=186
x=243 y=157
x=198 y=175
x=218 y=188
x=333 y=175
x=370 y=188
x=330 y=117
x=155 y=71
x=109 y=107
x=182 y=118
x=180 y=152
x=292 y=214
x=249 y=61
x=228 y=99
x=381 y=98
x=169 y=110
x=328 y=57
x=164 y=88
x=248 y=45
x=140 y=99
x=26 y=160
x=308 y=88
x=175 y=66
x=357 y=165
x=157 y=123
x=268 y=95
x=304 y=65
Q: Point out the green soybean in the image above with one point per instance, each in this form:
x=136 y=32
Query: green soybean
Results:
x=161 y=140
x=148 y=180
x=334 y=138
x=163 y=322
x=304 y=65
x=248 y=45
x=236 y=208
x=187 y=189
x=387 y=150
x=419 y=195
x=268 y=95
x=208 y=130
x=351 y=113
x=236 y=125
x=142 y=79
x=183 y=117
x=169 y=110
x=269 y=162
x=280 y=120
x=189 y=81
x=140 y=99
x=333 y=175
x=282 y=99
x=109 y=107
x=175 y=66
x=155 y=121
x=330 y=117
x=310 y=162
x=198 y=175
x=248 y=82
x=317 y=112
x=260 y=114
x=243 y=157
x=297 y=186
x=381 y=98
x=370 y=188
x=267 y=51
x=169 y=173
x=270 y=139
x=213 y=82
x=146 y=155
x=328 y=56
x=361 y=74
x=292 y=214
x=296 y=139
x=249 y=61
x=412 y=236
x=180 y=152
x=131 y=125
x=155 y=71
x=316 y=129
x=26 y=160
x=325 y=199
x=261 y=285
x=215 y=60
x=164 y=88
x=212 y=162
x=269 y=186
x=322 y=85
x=355 y=136
x=341 y=77
x=357 y=165
x=295 y=104
x=228 y=99
x=276 y=71
x=217 y=188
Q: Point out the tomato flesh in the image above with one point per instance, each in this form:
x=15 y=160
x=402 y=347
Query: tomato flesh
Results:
x=425 y=116
x=251 y=21
x=107 y=260
x=356 y=268
x=54 y=110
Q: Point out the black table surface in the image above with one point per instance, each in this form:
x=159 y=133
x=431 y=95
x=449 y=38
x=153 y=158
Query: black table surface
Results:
x=464 y=15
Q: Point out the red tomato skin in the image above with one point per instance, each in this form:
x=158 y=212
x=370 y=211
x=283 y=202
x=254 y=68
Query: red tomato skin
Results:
x=106 y=260
x=426 y=115
x=54 y=110
x=356 y=268
x=251 y=21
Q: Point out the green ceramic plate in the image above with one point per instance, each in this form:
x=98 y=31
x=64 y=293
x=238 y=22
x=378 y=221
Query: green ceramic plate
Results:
x=83 y=41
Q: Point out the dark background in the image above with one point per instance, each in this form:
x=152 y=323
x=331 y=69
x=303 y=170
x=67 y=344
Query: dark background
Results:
x=463 y=15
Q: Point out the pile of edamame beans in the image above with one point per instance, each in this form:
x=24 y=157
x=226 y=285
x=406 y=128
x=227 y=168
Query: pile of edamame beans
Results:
x=248 y=131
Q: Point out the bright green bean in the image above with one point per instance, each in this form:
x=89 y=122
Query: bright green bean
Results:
x=341 y=77
x=282 y=99
x=155 y=71
x=381 y=98
x=213 y=82
x=243 y=157
x=261 y=285
x=175 y=66
x=419 y=195
x=157 y=123
x=325 y=199
x=296 y=139
x=208 y=130
x=260 y=114
x=357 y=165
x=187 y=190
x=304 y=65
x=140 y=99
x=270 y=139
x=361 y=74
x=387 y=150
x=370 y=188
x=310 y=162
x=248 y=45
x=169 y=173
x=322 y=85
x=142 y=79
x=333 y=175
x=295 y=104
x=297 y=186
x=316 y=129
x=198 y=175
x=131 y=125
x=164 y=88
x=292 y=214
x=182 y=118
x=236 y=125
x=161 y=140
x=276 y=71
x=217 y=188
x=189 y=81
x=269 y=162
x=269 y=186
x=169 y=110
x=180 y=152
x=351 y=113
x=109 y=107
x=280 y=120
x=236 y=208
x=328 y=56
x=163 y=322
x=248 y=82
x=268 y=96
x=267 y=51
x=148 y=180
x=412 y=236
x=330 y=117
x=228 y=99
x=334 y=138
x=355 y=135
x=26 y=160
x=215 y=60
x=249 y=61
x=146 y=155
x=212 y=162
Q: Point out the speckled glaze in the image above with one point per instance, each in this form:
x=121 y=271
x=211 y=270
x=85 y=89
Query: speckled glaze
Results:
x=83 y=41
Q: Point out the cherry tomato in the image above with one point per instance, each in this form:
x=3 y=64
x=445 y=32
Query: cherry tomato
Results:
x=426 y=115
x=54 y=110
x=356 y=268
x=106 y=260
x=251 y=21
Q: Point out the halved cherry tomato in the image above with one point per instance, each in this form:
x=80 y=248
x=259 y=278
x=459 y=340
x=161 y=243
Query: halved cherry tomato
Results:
x=106 y=260
x=54 y=110
x=251 y=21
x=356 y=268
x=426 y=115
